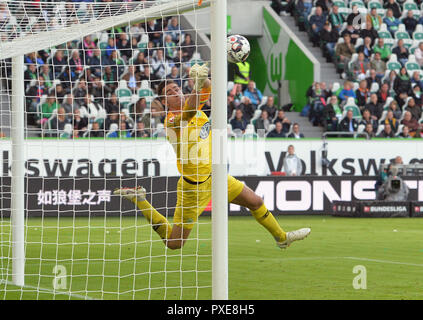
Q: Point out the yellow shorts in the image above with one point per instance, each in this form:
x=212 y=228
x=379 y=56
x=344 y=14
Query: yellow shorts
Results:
x=192 y=199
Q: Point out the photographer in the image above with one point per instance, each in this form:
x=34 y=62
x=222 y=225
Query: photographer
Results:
x=393 y=188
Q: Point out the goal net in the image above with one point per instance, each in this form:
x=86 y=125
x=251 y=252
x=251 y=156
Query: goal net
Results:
x=81 y=116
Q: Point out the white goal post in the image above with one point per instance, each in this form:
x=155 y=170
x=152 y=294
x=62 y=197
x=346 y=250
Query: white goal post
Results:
x=117 y=14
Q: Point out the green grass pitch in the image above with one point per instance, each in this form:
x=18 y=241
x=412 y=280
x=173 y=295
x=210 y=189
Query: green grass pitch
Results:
x=112 y=258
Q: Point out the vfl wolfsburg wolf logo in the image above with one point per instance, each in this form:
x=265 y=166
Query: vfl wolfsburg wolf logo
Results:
x=205 y=130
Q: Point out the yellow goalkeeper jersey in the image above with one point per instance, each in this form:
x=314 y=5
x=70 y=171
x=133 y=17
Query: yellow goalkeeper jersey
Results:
x=191 y=141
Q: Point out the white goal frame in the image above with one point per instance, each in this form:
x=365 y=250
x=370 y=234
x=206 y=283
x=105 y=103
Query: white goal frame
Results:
x=16 y=50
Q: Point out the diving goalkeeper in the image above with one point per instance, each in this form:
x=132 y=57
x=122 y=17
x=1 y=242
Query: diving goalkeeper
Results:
x=188 y=130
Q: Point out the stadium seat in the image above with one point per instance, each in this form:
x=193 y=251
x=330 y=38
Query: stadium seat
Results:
x=250 y=132
x=340 y=3
x=67 y=131
x=393 y=63
x=401 y=32
x=374 y=87
x=358 y=3
x=361 y=128
x=123 y=93
x=418 y=33
x=230 y=132
x=351 y=105
x=146 y=92
x=383 y=32
x=374 y=4
x=387 y=103
x=196 y=58
x=412 y=64
x=230 y=86
x=409 y=5
x=143 y=43
x=160 y=131
x=256 y=115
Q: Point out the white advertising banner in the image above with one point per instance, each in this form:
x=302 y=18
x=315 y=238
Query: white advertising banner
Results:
x=62 y=158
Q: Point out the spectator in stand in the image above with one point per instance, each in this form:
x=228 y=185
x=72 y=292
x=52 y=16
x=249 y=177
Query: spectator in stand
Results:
x=405 y=133
x=285 y=122
x=189 y=86
x=152 y=78
x=375 y=108
x=383 y=49
x=386 y=132
x=87 y=47
x=174 y=29
x=169 y=47
x=373 y=78
x=304 y=7
x=96 y=131
x=326 y=5
x=231 y=107
x=30 y=75
x=140 y=62
x=402 y=82
x=269 y=107
x=111 y=118
x=391 y=22
x=360 y=67
x=140 y=131
x=391 y=78
x=366 y=48
x=80 y=124
x=98 y=89
x=374 y=19
x=175 y=76
x=48 y=108
x=410 y=23
x=112 y=104
x=123 y=131
x=132 y=79
x=353 y=32
x=159 y=65
x=316 y=22
x=80 y=92
x=253 y=94
x=95 y=62
x=111 y=46
x=292 y=164
x=370 y=32
x=277 y=132
x=383 y=93
x=59 y=92
x=347 y=92
x=362 y=93
x=153 y=118
x=47 y=75
x=59 y=121
x=318 y=94
x=411 y=123
x=242 y=74
x=262 y=123
x=351 y=18
x=239 y=122
x=418 y=53
x=154 y=31
x=416 y=111
x=68 y=104
x=378 y=65
x=416 y=80
x=124 y=47
x=247 y=108
x=75 y=63
x=394 y=7
x=139 y=109
x=329 y=36
x=402 y=52
x=332 y=113
x=393 y=106
x=390 y=120
x=369 y=130
x=348 y=124
x=344 y=51
x=188 y=47
x=417 y=95
x=368 y=119
x=336 y=19
x=296 y=132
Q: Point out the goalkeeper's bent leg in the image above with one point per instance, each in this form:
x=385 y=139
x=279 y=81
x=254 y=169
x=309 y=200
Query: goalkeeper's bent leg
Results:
x=159 y=223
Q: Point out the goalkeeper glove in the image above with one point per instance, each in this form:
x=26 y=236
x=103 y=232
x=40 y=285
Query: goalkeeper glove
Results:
x=199 y=73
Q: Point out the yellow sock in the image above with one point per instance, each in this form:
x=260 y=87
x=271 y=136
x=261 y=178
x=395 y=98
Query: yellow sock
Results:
x=160 y=224
x=267 y=220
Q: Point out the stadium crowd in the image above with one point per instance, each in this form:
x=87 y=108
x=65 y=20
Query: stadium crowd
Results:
x=377 y=48
x=103 y=85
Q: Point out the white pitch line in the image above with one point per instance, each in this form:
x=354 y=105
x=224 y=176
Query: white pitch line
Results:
x=54 y=292
x=385 y=261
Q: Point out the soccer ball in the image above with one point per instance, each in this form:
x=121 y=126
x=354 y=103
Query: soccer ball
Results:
x=238 y=48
